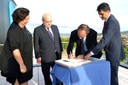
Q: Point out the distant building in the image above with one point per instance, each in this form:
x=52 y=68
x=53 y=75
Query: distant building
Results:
x=6 y=9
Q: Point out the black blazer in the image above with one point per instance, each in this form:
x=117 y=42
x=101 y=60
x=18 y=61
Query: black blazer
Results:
x=91 y=42
x=111 y=41
x=44 y=46
x=17 y=38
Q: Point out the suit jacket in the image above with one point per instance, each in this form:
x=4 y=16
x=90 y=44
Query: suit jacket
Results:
x=45 y=46
x=91 y=42
x=111 y=41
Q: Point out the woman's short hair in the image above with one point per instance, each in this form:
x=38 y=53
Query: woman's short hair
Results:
x=84 y=27
x=20 y=14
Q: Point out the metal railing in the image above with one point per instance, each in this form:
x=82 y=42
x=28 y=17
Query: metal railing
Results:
x=124 y=65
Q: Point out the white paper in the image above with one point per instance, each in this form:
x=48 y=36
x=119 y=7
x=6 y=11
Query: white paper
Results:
x=70 y=63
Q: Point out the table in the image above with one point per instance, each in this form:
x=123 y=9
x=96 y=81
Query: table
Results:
x=94 y=73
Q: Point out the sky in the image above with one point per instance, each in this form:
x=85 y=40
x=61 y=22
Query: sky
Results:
x=69 y=14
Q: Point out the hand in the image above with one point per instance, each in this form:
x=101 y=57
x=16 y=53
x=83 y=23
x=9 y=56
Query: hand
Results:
x=39 y=60
x=71 y=56
x=80 y=56
x=87 y=56
x=23 y=68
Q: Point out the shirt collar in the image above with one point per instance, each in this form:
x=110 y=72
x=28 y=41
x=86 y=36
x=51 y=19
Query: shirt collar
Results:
x=48 y=28
x=84 y=38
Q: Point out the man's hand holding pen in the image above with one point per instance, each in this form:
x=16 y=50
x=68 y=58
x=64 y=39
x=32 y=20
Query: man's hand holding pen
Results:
x=71 y=56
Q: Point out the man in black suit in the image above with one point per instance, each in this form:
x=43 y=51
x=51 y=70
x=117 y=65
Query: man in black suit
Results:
x=47 y=46
x=77 y=35
x=111 y=41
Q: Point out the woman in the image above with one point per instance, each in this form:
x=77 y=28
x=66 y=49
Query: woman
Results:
x=16 y=56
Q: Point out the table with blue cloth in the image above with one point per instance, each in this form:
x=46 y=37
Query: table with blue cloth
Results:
x=94 y=73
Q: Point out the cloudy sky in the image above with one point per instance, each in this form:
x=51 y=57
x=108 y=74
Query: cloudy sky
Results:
x=71 y=13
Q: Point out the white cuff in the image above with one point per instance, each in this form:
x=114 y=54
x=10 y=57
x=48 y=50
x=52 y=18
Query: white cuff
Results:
x=92 y=53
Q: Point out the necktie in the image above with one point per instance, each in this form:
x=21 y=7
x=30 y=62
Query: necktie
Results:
x=104 y=24
x=50 y=34
x=83 y=46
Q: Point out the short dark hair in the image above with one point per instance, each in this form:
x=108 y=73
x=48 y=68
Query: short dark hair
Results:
x=84 y=27
x=103 y=6
x=20 y=14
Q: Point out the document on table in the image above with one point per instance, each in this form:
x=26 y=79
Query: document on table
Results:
x=70 y=63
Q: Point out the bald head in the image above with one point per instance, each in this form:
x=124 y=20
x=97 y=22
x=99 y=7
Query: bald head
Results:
x=47 y=20
x=46 y=16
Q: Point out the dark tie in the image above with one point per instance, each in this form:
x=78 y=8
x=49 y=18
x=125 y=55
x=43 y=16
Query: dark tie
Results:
x=50 y=34
x=104 y=24
x=83 y=46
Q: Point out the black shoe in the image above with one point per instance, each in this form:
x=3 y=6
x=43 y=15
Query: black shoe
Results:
x=59 y=83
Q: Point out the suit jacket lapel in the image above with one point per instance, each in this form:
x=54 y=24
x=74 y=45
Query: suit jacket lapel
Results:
x=54 y=32
x=106 y=23
x=45 y=32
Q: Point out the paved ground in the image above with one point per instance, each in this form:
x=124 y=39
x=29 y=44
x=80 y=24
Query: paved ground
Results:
x=39 y=80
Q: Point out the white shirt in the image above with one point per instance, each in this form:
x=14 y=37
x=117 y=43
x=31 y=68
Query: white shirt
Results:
x=49 y=30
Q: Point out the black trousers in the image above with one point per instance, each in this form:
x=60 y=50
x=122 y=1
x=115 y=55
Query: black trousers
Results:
x=114 y=64
x=114 y=74
x=46 y=71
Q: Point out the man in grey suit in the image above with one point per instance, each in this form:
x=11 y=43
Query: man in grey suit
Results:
x=47 y=46
x=111 y=41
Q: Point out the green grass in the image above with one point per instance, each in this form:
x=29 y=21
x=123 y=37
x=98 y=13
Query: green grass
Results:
x=65 y=41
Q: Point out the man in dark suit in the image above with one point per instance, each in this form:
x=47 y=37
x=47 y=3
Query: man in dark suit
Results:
x=77 y=35
x=47 y=46
x=111 y=41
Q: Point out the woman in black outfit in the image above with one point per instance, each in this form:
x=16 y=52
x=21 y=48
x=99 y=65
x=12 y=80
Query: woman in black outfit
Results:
x=16 y=56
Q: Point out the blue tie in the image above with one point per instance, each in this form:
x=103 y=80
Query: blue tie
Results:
x=50 y=34
x=83 y=46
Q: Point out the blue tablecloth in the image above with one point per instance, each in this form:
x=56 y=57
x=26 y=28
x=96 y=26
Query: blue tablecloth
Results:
x=94 y=73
